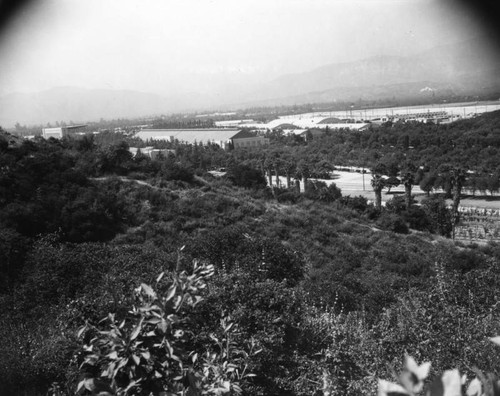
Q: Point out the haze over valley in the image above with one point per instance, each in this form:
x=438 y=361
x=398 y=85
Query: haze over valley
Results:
x=409 y=52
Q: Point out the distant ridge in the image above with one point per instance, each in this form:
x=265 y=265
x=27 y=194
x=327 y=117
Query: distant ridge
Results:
x=467 y=68
x=472 y=66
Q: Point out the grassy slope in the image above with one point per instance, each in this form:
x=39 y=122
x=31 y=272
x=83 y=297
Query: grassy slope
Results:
x=344 y=253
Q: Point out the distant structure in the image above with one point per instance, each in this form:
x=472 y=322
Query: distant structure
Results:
x=428 y=116
x=232 y=123
x=60 y=132
x=246 y=139
x=151 y=152
x=224 y=138
x=290 y=124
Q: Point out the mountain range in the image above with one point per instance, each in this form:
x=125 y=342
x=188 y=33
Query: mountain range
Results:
x=466 y=68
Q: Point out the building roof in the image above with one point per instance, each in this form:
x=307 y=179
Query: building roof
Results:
x=306 y=122
x=244 y=135
x=330 y=120
x=188 y=135
x=75 y=126
x=279 y=124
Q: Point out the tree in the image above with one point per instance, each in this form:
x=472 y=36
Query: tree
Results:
x=245 y=176
x=458 y=177
x=117 y=158
x=276 y=164
x=493 y=183
x=303 y=172
x=428 y=182
x=288 y=166
x=320 y=191
x=86 y=143
x=440 y=215
x=378 y=184
x=4 y=143
x=407 y=178
x=392 y=181
x=472 y=184
x=268 y=165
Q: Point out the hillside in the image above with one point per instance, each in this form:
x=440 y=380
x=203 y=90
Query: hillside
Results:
x=319 y=284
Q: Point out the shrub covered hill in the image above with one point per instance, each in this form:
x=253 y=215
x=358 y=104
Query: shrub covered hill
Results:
x=130 y=276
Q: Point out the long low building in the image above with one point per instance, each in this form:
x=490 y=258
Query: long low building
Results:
x=289 y=124
x=60 y=132
x=224 y=138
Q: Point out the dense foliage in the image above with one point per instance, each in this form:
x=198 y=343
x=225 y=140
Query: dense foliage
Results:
x=329 y=290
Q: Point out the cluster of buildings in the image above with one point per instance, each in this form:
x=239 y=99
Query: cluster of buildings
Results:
x=296 y=124
x=248 y=134
x=226 y=138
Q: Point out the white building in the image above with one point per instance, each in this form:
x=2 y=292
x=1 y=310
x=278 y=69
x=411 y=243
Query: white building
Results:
x=222 y=137
x=60 y=132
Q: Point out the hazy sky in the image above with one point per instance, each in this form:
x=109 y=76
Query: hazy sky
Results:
x=172 y=45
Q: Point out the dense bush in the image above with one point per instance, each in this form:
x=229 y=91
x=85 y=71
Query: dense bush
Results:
x=358 y=203
x=147 y=350
x=320 y=191
x=392 y=222
x=246 y=176
x=439 y=215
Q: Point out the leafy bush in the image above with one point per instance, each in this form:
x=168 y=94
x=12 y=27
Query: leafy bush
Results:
x=417 y=219
x=173 y=171
x=148 y=351
x=357 y=203
x=245 y=176
x=439 y=215
x=392 y=222
x=320 y=191
x=285 y=195
x=411 y=381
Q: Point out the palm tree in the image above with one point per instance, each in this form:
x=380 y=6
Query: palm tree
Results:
x=268 y=165
x=378 y=184
x=303 y=172
x=288 y=167
x=276 y=165
x=458 y=176
x=408 y=178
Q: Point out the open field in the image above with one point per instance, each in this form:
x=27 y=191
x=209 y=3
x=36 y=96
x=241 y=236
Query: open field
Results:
x=464 y=110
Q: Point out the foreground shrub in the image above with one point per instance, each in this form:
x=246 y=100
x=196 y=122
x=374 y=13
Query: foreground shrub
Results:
x=320 y=191
x=392 y=222
x=411 y=382
x=246 y=176
x=148 y=351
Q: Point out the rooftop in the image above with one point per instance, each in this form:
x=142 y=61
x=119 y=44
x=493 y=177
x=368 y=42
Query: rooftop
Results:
x=188 y=135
